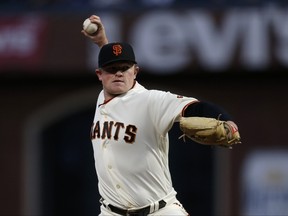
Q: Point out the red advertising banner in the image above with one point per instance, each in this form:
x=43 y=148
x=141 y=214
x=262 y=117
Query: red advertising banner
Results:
x=22 y=42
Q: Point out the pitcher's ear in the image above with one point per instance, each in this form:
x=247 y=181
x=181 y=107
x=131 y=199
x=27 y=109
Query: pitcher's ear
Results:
x=136 y=69
x=98 y=73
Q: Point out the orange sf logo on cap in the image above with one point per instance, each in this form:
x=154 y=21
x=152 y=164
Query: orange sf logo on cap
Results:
x=117 y=49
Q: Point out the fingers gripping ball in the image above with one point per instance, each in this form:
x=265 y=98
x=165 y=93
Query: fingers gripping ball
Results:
x=210 y=131
x=89 y=27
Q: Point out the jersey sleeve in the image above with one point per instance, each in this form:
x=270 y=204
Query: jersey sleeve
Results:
x=165 y=108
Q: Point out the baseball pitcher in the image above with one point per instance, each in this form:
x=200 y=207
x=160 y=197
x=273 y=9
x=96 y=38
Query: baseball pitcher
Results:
x=130 y=133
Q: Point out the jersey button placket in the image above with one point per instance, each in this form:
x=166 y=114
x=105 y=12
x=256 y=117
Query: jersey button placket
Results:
x=111 y=172
x=105 y=143
x=103 y=111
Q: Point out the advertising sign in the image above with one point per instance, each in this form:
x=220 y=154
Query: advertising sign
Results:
x=265 y=183
x=186 y=40
x=21 y=42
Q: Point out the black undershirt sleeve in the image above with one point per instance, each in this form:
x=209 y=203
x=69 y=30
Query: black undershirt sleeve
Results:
x=206 y=109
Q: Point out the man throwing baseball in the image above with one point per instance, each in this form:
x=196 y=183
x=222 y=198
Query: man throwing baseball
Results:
x=130 y=134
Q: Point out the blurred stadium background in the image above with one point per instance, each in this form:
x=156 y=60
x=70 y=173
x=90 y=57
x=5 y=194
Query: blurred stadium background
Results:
x=232 y=53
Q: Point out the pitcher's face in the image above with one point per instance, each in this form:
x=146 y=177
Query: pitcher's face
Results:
x=117 y=78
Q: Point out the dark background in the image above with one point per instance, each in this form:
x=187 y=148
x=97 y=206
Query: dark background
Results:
x=69 y=184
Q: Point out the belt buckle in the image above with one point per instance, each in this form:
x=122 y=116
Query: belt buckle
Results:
x=140 y=212
x=132 y=213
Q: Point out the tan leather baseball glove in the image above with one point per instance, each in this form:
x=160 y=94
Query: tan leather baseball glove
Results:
x=210 y=131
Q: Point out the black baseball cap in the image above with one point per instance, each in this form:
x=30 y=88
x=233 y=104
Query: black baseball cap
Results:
x=113 y=52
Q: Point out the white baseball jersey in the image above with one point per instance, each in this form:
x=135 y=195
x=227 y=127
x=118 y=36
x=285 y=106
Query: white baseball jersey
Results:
x=130 y=143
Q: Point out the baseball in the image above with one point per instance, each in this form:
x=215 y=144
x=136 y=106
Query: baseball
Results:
x=89 y=27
